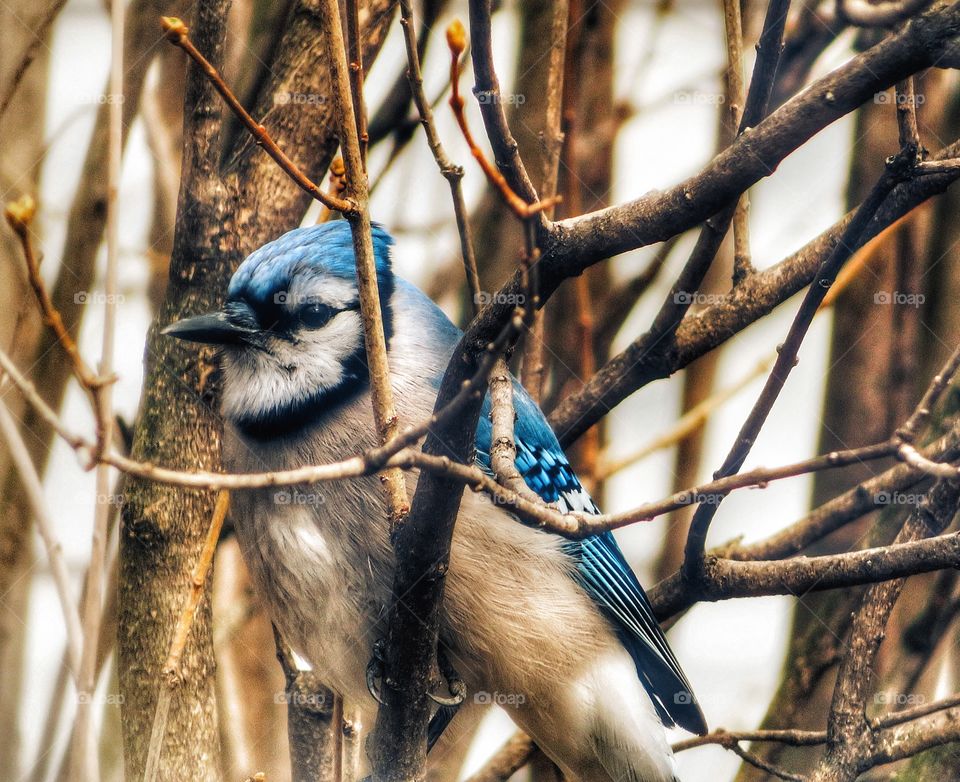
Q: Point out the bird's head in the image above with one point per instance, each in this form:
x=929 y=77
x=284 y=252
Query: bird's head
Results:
x=290 y=330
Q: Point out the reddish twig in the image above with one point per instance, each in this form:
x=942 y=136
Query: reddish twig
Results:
x=178 y=34
x=457 y=41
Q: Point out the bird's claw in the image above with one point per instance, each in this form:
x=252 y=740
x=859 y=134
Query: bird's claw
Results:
x=375 y=671
x=458 y=691
x=455 y=685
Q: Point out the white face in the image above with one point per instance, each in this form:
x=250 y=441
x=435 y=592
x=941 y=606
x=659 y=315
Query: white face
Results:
x=298 y=360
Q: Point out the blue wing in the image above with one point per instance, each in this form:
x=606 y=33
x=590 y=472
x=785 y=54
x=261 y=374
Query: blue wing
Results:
x=602 y=570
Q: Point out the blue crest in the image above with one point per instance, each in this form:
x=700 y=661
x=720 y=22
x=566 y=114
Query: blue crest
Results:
x=318 y=250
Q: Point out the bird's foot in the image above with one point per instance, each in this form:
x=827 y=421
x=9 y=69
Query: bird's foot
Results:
x=455 y=685
x=374 y=674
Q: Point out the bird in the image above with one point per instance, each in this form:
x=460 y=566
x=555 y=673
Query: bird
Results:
x=557 y=631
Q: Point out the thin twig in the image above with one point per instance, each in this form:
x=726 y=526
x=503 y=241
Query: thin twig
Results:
x=533 y=368
x=693 y=419
x=457 y=41
x=736 y=97
x=178 y=34
x=84 y=758
x=507 y=760
x=355 y=65
x=19 y=216
x=452 y=172
x=487 y=88
x=694 y=550
x=909 y=133
x=381 y=391
x=503 y=449
x=33 y=490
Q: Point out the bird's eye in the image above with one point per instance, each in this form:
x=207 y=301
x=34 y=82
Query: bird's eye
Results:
x=315 y=315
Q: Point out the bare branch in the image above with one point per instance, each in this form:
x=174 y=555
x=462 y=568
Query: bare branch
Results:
x=58 y=568
x=522 y=208
x=37 y=39
x=508 y=760
x=453 y=173
x=381 y=392
x=178 y=34
x=694 y=551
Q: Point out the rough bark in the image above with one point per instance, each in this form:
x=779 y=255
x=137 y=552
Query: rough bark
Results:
x=163 y=528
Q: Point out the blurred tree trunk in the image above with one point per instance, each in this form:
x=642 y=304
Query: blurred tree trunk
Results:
x=29 y=345
x=250 y=683
x=22 y=129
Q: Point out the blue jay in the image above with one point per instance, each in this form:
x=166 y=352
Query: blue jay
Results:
x=559 y=632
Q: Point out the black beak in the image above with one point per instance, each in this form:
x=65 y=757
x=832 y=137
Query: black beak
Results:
x=213 y=329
